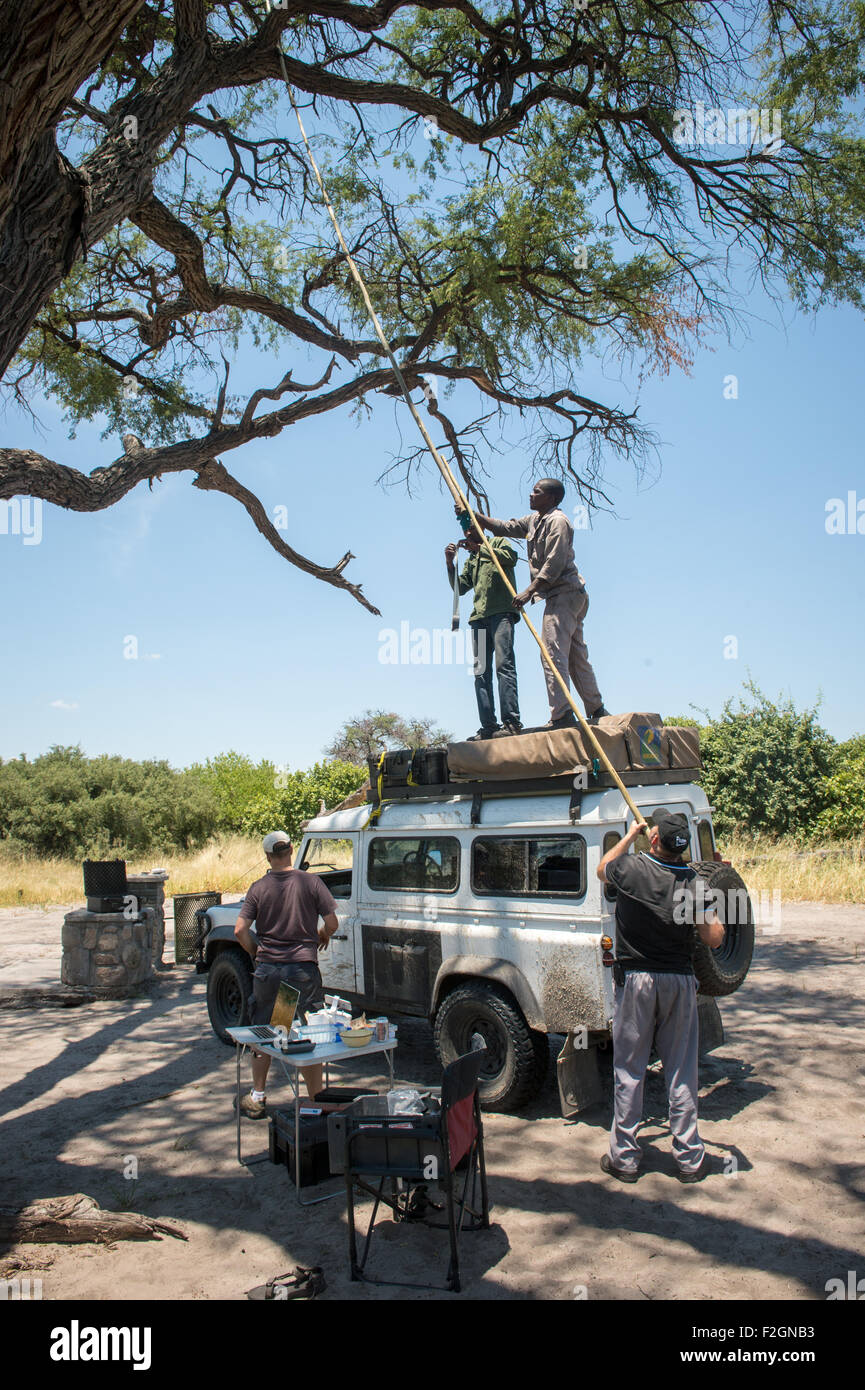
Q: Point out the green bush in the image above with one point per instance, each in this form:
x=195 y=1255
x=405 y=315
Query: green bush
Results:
x=766 y=766
x=297 y=796
x=843 y=815
x=237 y=784
x=66 y=804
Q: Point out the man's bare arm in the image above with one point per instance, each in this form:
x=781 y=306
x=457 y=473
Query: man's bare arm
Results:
x=621 y=847
x=245 y=936
x=711 y=931
x=329 y=928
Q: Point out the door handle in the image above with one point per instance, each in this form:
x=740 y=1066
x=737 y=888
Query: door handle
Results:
x=340 y=938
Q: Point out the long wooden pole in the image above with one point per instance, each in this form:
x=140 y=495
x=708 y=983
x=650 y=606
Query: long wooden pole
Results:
x=441 y=462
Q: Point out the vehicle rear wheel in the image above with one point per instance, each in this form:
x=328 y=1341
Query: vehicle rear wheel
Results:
x=478 y=1015
x=229 y=985
x=723 y=970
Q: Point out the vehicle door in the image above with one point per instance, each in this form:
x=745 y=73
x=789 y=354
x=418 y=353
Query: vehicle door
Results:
x=409 y=898
x=333 y=859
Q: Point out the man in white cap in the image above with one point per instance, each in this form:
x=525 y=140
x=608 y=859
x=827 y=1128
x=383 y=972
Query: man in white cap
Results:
x=285 y=905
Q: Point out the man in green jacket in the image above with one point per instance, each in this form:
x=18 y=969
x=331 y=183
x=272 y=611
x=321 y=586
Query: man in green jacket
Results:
x=492 y=623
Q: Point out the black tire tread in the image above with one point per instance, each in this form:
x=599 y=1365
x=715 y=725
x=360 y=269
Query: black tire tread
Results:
x=236 y=957
x=531 y=1049
x=711 y=980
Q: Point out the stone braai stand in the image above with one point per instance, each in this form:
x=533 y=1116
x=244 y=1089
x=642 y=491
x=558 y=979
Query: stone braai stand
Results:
x=107 y=952
x=149 y=889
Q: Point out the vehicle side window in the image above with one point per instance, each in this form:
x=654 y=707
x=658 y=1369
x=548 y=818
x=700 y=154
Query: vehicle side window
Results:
x=523 y=866
x=332 y=860
x=414 y=864
x=611 y=838
x=706 y=842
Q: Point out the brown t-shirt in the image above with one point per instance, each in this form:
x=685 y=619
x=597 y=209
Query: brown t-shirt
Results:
x=285 y=906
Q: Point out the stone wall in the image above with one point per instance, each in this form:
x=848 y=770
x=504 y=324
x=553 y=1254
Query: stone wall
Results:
x=149 y=889
x=106 y=951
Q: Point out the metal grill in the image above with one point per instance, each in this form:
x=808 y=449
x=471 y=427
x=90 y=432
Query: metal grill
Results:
x=186 y=928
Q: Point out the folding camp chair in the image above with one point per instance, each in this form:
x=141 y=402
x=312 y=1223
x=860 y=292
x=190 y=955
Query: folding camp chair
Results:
x=444 y=1148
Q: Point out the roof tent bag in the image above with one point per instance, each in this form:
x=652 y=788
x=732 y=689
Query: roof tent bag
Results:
x=632 y=742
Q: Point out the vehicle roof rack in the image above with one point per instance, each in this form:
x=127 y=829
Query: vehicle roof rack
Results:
x=574 y=785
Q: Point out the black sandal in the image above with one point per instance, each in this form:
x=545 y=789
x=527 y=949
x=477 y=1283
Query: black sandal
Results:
x=297 y=1283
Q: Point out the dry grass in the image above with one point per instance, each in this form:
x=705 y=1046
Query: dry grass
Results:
x=830 y=873
x=228 y=864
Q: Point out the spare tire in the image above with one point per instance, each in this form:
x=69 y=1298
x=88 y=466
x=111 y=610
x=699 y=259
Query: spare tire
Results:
x=723 y=970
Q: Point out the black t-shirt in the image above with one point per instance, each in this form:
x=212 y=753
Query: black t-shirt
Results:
x=655 y=915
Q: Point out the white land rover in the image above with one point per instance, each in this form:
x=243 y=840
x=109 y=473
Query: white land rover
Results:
x=478 y=907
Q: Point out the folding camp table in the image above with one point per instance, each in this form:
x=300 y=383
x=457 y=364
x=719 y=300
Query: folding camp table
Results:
x=292 y=1063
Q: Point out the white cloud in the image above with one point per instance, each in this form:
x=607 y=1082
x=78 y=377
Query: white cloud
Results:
x=62 y=704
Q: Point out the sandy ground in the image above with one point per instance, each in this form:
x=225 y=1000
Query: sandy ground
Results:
x=782 y=1112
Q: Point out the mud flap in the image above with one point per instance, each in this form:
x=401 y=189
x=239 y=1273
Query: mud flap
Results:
x=710 y=1025
x=578 y=1077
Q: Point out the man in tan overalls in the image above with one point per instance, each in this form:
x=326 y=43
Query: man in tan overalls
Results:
x=555 y=578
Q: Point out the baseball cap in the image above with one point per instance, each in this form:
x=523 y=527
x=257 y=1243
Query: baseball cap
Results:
x=673 y=829
x=273 y=840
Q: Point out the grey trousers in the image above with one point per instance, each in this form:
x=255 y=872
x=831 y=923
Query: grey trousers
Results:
x=662 y=1009
x=562 y=630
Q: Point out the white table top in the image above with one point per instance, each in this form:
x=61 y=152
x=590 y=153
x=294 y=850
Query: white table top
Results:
x=322 y=1052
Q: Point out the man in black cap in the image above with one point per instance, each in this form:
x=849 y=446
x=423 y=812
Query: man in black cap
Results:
x=658 y=903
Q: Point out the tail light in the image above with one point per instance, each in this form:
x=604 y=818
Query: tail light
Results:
x=606 y=943
x=719 y=858
x=607 y=948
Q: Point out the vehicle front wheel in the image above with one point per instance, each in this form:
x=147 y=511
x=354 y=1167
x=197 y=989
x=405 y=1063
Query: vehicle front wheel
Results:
x=476 y=1015
x=229 y=985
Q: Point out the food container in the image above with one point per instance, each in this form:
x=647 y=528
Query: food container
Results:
x=380 y=1025
x=317 y=1033
x=357 y=1037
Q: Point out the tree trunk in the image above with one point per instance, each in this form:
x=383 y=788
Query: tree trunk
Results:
x=77 y=1220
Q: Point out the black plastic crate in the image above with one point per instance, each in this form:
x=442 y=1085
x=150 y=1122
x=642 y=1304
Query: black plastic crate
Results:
x=429 y=766
x=402 y=1144
x=101 y=904
x=314 y=1158
x=395 y=771
x=342 y=1095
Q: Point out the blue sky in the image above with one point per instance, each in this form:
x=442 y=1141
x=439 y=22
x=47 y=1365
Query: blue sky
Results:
x=237 y=649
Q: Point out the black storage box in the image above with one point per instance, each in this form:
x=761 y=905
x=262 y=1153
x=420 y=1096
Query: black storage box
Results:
x=314 y=1164
x=105 y=886
x=341 y=1095
x=404 y=1144
x=429 y=766
x=395 y=771
x=105 y=878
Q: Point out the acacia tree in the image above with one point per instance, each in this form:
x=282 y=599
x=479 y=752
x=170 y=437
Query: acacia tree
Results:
x=378 y=730
x=156 y=213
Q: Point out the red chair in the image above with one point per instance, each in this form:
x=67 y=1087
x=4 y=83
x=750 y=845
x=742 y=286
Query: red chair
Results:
x=444 y=1148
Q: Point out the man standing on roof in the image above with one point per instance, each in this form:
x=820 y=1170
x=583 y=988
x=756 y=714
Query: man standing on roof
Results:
x=492 y=623
x=658 y=903
x=285 y=906
x=555 y=578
